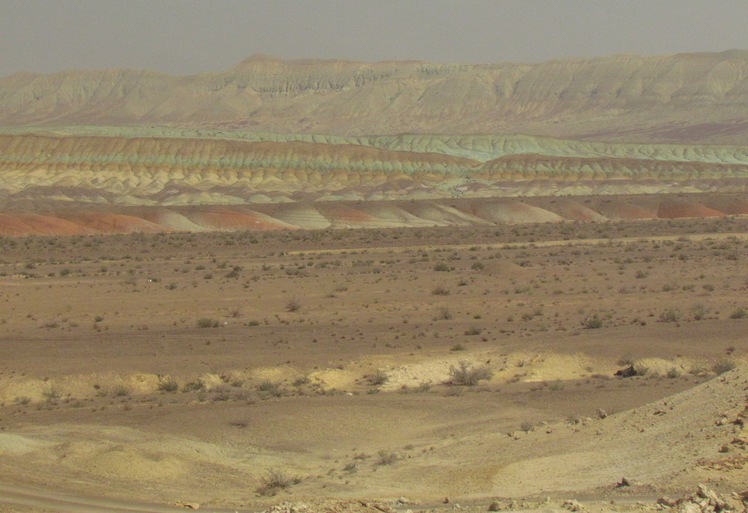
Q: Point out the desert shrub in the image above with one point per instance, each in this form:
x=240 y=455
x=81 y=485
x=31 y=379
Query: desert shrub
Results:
x=526 y=426
x=592 y=322
x=193 y=386
x=477 y=266
x=724 y=365
x=270 y=389
x=673 y=372
x=473 y=331
x=443 y=315
x=422 y=387
x=698 y=368
x=386 y=458
x=207 y=322
x=468 y=375
x=441 y=267
x=440 y=291
x=739 y=313
x=625 y=359
x=120 y=391
x=168 y=384
x=556 y=385
x=670 y=315
x=293 y=305
x=301 y=381
x=378 y=378
x=698 y=311
x=457 y=347
x=274 y=481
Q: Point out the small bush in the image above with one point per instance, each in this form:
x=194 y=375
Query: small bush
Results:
x=193 y=386
x=293 y=305
x=468 y=375
x=120 y=391
x=670 y=315
x=440 y=291
x=724 y=365
x=592 y=322
x=473 y=331
x=206 y=322
x=441 y=267
x=698 y=312
x=270 y=389
x=301 y=381
x=274 y=482
x=443 y=315
x=378 y=378
x=739 y=313
x=168 y=384
x=386 y=458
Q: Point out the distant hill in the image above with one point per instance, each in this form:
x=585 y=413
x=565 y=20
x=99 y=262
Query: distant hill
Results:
x=688 y=98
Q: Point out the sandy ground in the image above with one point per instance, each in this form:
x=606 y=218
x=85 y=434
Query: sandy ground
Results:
x=239 y=370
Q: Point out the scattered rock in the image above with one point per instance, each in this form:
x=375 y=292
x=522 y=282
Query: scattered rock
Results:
x=667 y=501
x=624 y=482
x=494 y=506
x=705 y=500
x=188 y=505
x=572 y=505
x=627 y=372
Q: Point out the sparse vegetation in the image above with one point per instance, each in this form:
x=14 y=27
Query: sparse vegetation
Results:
x=386 y=458
x=168 y=384
x=592 y=322
x=465 y=374
x=670 y=315
x=739 y=313
x=378 y=378
x=274 y=482
x=206 y=322
x=724 y=365
x=293 y=305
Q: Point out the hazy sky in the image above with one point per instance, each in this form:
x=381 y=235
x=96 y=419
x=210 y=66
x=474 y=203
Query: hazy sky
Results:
x=190 y=36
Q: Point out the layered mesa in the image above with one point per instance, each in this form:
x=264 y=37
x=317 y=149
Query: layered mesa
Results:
x=700 y=97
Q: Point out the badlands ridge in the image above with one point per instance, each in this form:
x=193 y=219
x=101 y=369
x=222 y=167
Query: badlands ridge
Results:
x=272 y=144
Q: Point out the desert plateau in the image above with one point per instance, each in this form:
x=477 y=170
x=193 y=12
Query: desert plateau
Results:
x=335 y=286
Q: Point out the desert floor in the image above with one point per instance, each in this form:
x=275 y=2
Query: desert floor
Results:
x=239 y=370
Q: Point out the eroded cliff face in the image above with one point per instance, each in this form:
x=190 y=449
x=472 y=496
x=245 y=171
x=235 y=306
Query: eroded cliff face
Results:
x=686 y=98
